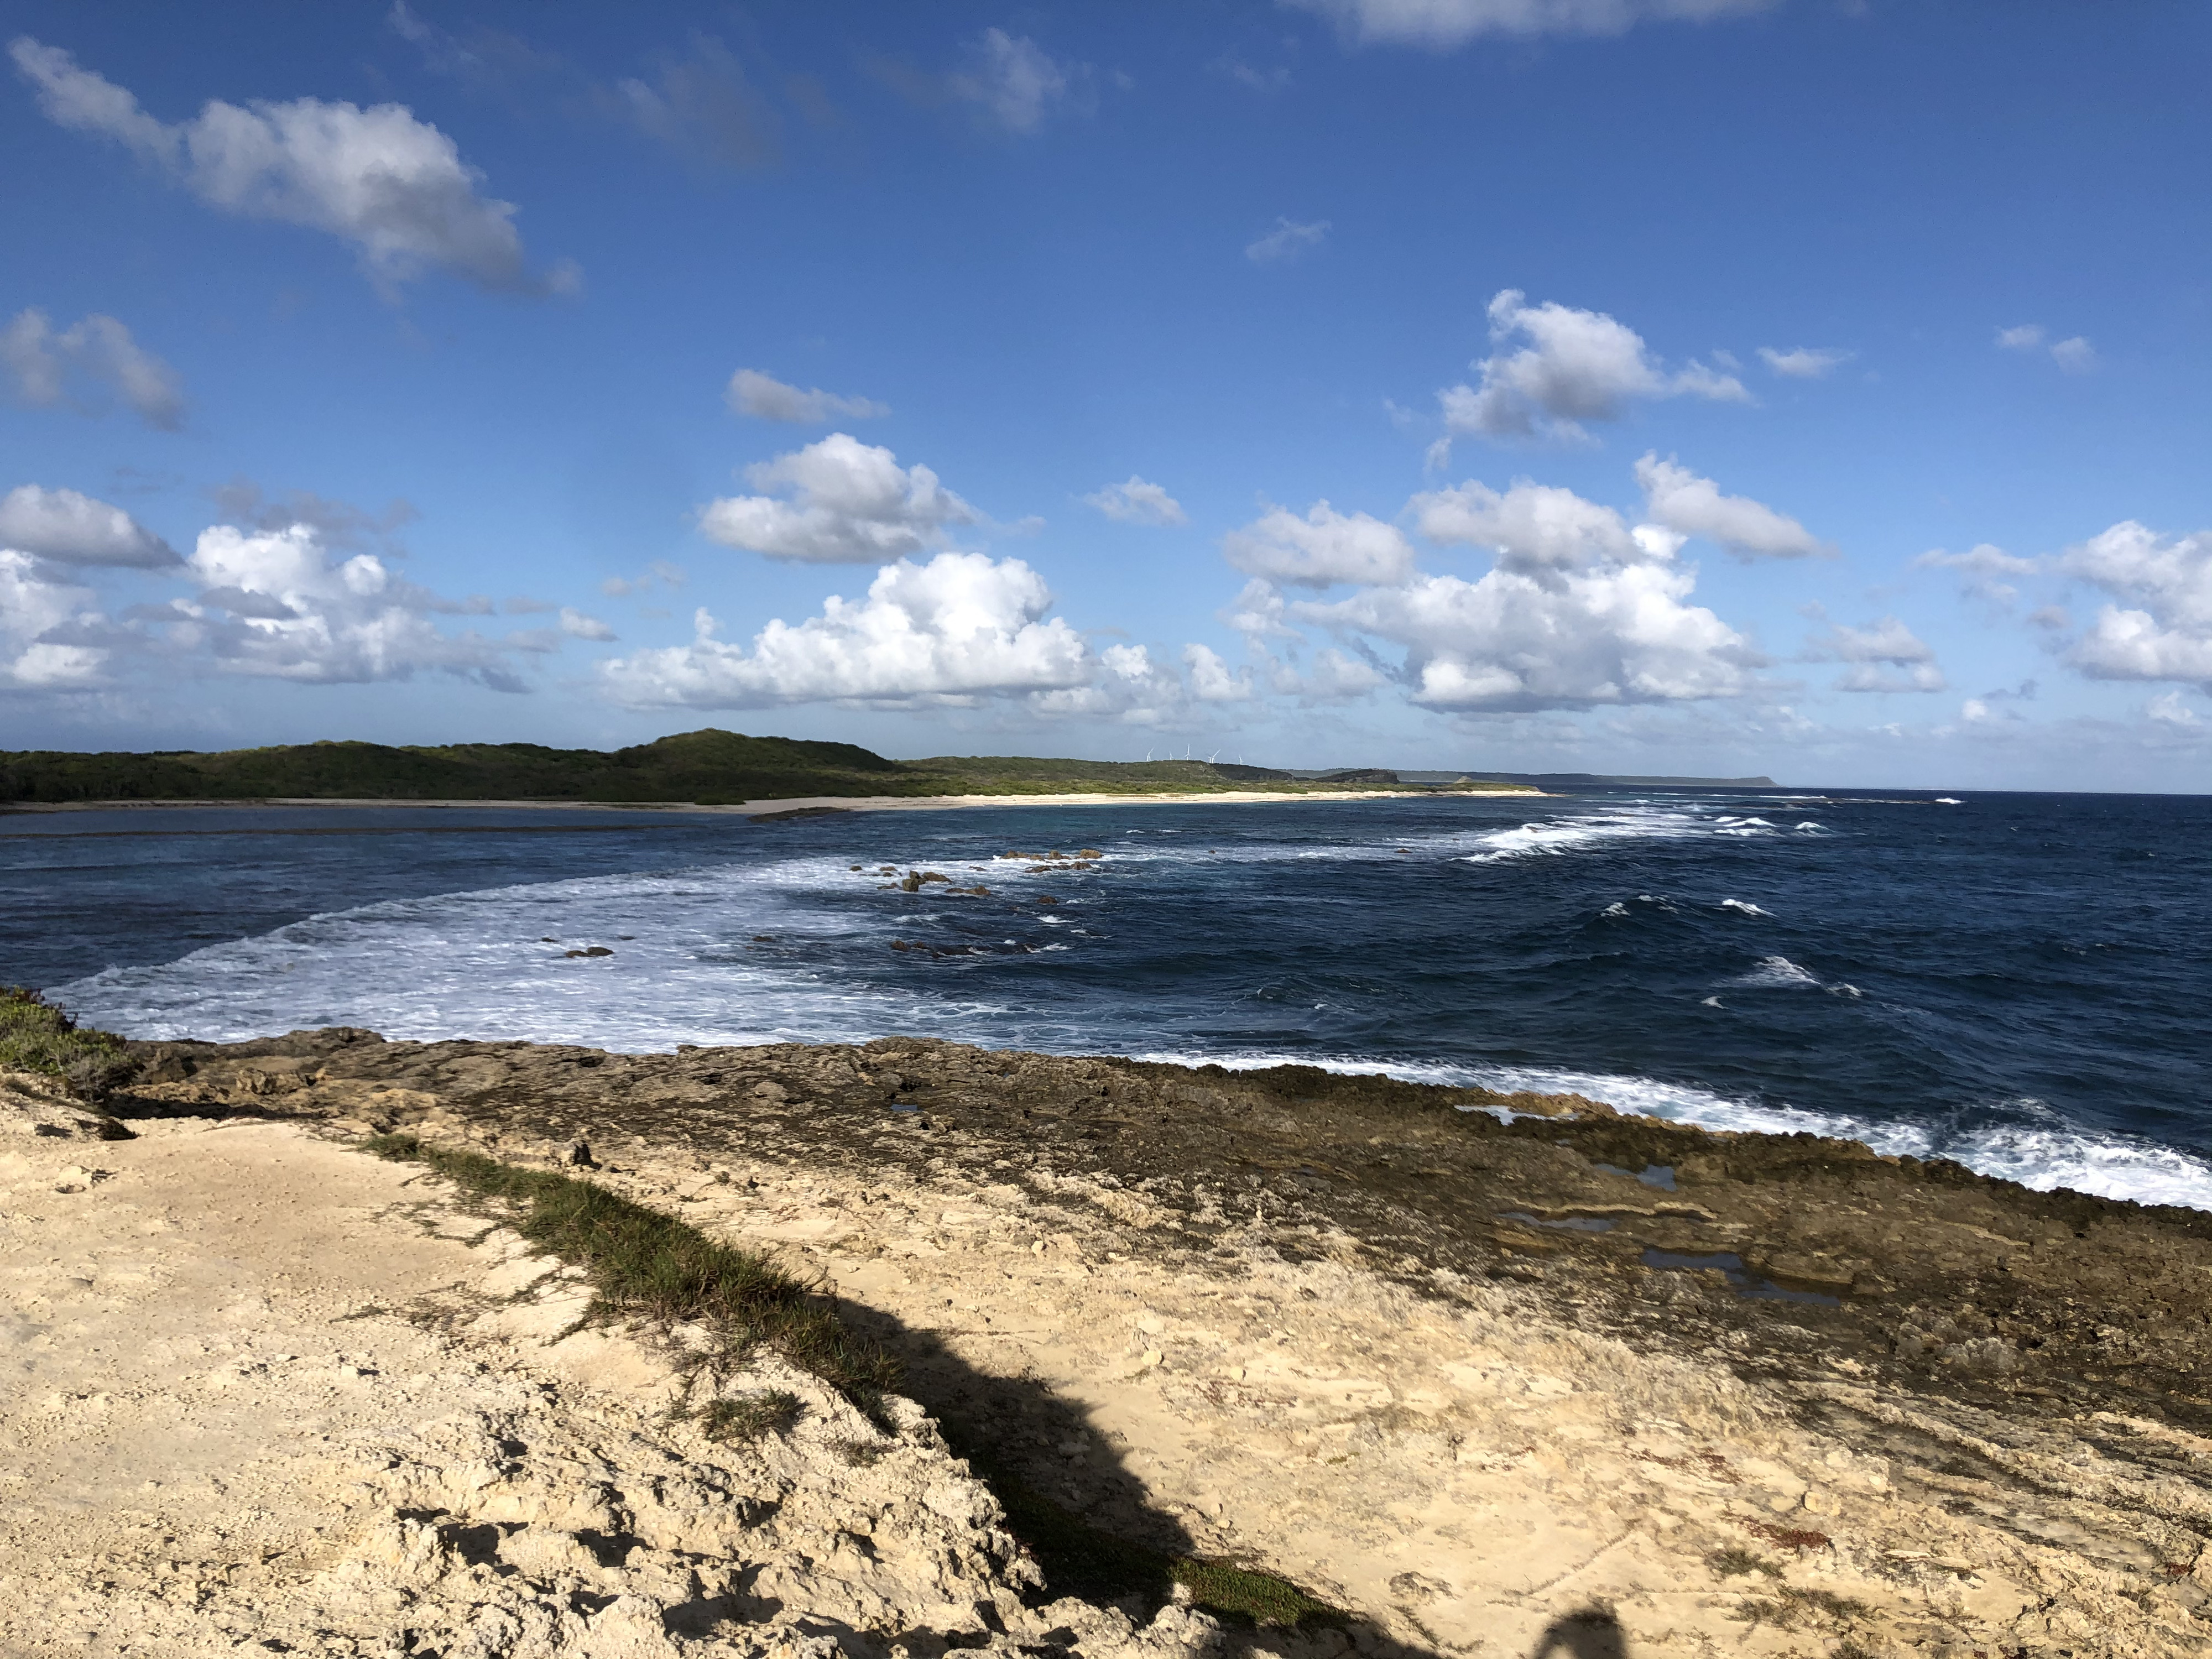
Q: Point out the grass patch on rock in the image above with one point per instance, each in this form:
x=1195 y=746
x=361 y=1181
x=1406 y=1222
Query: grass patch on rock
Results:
x=752 y=1416
x=37 y=1036
x=644 y=1264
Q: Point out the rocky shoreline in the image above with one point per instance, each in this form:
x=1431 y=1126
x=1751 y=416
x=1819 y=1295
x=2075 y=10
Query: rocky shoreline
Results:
x=1575 y=1383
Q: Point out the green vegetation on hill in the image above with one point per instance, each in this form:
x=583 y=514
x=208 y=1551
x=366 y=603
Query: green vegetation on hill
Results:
x=712 y=767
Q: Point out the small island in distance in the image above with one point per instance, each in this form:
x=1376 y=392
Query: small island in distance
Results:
x=708 y=767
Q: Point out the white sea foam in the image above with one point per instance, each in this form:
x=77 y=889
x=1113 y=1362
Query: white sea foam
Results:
x=1551 y=837
x=1948 y=800
x=1745 y=907
x=1777 y=970
x=474 y=965
x=2044 y=1153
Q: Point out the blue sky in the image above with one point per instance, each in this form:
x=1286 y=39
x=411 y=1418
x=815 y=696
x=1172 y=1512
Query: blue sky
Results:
x=1791 y=386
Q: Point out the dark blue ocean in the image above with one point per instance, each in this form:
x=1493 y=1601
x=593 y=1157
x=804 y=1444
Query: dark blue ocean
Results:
x=2018 y=981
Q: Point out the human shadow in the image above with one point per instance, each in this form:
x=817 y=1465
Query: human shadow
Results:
x=1087 y=1519
x=1591 y=1632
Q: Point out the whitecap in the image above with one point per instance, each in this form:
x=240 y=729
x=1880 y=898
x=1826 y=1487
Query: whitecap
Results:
x=1810 y=827
x=1616 y=910
x=1777 y=970
x=1553 y=837
x=1712 y=1002
x=1744 y=907
x=1948 y=800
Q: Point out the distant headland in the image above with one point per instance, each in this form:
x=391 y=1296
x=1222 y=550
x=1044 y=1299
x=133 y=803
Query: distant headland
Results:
x=708 y=768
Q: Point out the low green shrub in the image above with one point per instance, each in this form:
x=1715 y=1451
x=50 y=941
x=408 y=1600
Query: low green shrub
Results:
x=752 y=1416
x=37 y=1036
x=642 y=1264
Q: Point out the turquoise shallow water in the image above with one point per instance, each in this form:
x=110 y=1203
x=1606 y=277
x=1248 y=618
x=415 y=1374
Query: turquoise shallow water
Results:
x=2018 y=981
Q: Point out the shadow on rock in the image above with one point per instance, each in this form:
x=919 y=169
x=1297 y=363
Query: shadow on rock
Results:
x=1587 y=1633
x=1088 y=1521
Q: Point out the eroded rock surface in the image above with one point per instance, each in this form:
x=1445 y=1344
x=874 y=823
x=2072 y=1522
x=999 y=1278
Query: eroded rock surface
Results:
x=1579 y=1378
x=264 y=1392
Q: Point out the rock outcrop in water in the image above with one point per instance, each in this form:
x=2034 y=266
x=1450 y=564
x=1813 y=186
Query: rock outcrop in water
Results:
x=1582 y=1379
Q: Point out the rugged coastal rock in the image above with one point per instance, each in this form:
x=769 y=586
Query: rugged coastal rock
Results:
x=1578 y=1382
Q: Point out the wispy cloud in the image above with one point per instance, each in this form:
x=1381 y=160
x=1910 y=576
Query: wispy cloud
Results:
x=754 y=391
x=1287 y=241
x=44 y=363
x=2074 y=355
x=1804 y=362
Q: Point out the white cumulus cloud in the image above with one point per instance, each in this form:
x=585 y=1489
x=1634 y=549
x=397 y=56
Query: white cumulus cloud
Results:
x=1532 y=528
x=69 y=528
x=44 y=363
x=392 y=185
x=1211 y=680
x=960 y=628
x=1286 y=240
x=1138 y=502
x=1442 y=25
x=1573 y=366
x=1510 y=643
x=837 y=502
x=32 y=607
x=755 y=392
x=276 y=603
x=1324 y=547
x=1578 y=611
x=1804 y=362
x=1128 y=687
x=2160 y=628
x=1681 y=501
